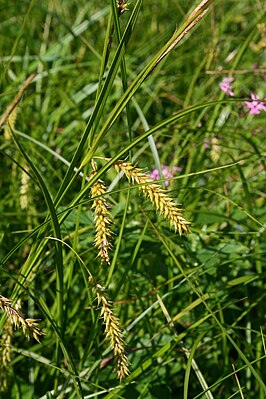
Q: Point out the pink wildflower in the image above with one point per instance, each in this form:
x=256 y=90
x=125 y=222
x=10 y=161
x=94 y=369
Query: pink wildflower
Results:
x=166 y=172
x=206 y=143
x=256 y=105
x=225 y=86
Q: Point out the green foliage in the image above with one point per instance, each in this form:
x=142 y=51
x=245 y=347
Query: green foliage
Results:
x=191 y=307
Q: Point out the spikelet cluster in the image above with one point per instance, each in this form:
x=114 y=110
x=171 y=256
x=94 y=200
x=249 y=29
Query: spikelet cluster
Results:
x=113 y=333
x=102 y=218
x=122 y=6
x=159 y=197
x=10 y=124
x=5 y=355
x=24 y=190
x=30 y=327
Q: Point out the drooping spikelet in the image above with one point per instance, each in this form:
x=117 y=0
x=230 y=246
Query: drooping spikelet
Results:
x=10 y=124
x=113 y=333
x=30 y=327
x=101 y=217
x=24 y=190
x=157 y=195
x=5 y=355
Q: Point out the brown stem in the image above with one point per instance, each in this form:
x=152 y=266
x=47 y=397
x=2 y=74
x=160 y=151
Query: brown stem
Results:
x=16 y=100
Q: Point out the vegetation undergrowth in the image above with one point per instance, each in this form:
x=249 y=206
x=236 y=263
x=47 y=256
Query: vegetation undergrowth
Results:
x=132 y=199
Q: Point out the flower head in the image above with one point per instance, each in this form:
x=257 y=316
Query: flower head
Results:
x=226 y=87
x=255 y=106
x=167 y=171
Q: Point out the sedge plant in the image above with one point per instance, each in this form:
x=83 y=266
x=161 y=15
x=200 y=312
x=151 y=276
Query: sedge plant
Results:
x=125 y=286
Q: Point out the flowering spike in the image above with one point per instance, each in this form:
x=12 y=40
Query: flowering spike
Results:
x=113 y=333
x=164 y=204
x=101 y=217
x=29 y=327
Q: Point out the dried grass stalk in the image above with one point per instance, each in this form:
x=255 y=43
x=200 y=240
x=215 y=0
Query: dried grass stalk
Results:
x=16 y=100
x=158 y=196
x=102 y=218
x=113 y=333
x=30 y=327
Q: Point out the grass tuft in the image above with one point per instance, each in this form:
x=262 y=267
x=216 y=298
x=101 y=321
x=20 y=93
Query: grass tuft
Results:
x=175 y=86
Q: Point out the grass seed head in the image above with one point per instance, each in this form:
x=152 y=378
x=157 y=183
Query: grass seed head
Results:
x=24 y=190
x=113 y=333
x=10 y=124
x=158 y=196
x=102 y=218
x=5 y=355
x=30 y=327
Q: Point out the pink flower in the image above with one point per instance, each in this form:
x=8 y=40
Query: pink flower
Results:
x=256 y=105
x=166 y=172
x=206 y=143
x=226 y=86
